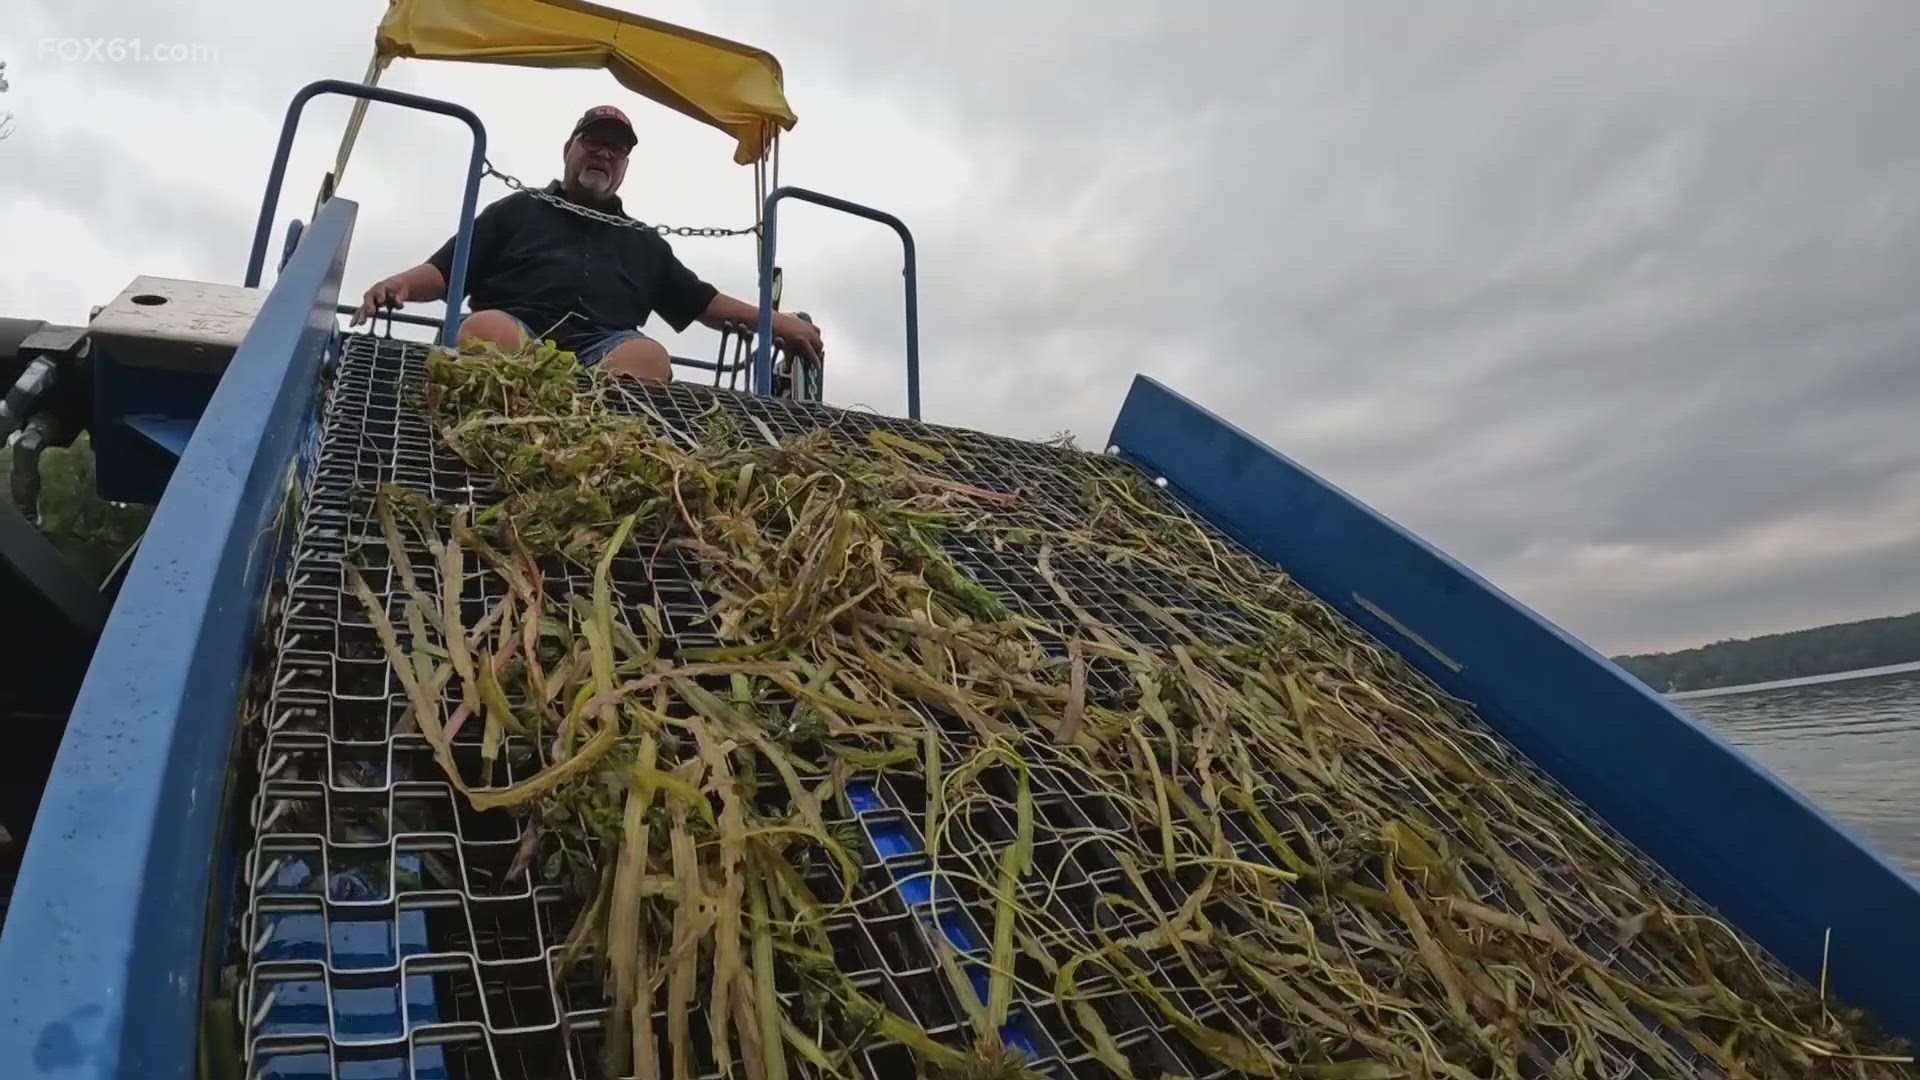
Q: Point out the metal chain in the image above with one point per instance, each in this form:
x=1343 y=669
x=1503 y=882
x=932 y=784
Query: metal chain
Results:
x=616 y=219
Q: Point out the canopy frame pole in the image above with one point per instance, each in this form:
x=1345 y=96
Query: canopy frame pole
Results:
x=331 y=182
x=766 y=178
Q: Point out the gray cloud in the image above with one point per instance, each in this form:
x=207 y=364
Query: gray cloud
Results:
x=1612 y=302
x=1535 y=282
x=49 y=168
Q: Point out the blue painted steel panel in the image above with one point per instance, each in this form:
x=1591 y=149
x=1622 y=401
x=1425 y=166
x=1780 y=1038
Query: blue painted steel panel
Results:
x=129 y=466
x=100 y=964
x=1766 y=857
x=165 y=432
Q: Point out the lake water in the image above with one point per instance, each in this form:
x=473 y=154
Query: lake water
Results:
x=1850 y=745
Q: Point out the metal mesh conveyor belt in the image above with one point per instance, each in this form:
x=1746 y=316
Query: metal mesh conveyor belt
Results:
x=375 y=935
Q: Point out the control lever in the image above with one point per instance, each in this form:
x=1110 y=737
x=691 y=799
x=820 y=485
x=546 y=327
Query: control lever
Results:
x=787 y=363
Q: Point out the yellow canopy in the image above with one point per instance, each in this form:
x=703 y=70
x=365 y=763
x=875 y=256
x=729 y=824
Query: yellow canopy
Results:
x=733 y=87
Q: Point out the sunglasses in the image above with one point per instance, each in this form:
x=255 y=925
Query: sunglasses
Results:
x=600 y=142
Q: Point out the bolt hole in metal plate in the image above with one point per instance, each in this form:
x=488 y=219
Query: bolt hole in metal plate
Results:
x=175 y=325
x=376 y=932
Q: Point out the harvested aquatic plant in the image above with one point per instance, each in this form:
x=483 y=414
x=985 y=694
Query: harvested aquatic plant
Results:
x=993 y=777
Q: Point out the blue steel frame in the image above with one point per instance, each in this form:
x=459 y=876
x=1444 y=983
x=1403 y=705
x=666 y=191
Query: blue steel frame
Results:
x=142 y=417
x=1771 y=862
x=463 y=239
x=101 y=960
x=763 y=346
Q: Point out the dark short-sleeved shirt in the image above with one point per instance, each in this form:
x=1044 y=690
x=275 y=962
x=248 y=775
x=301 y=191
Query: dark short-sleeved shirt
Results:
x=568 y=276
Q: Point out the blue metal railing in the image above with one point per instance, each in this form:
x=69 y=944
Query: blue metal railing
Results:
x=463 y=239
x=763 y=347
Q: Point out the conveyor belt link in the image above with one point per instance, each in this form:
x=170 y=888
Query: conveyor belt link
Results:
x=379 y=936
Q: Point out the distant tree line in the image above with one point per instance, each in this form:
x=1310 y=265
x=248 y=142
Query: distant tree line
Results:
x=1821 y=650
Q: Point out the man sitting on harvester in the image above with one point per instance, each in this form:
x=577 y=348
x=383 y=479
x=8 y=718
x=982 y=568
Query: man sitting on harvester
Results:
x=566 y=264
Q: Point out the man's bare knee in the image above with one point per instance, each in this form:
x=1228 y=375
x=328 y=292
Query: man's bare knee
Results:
x=496 y=328
x=641 y=358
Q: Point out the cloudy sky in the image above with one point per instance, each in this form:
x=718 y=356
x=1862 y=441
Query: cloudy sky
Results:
x=1618 y=303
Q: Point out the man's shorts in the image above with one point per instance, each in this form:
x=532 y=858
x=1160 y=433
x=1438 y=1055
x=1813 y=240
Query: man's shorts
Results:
x=589 y=347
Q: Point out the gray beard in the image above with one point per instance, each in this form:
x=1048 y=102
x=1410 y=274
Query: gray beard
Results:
x=586 y=196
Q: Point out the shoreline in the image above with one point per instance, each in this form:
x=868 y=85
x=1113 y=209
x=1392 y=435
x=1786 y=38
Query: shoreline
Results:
x=1805 y=680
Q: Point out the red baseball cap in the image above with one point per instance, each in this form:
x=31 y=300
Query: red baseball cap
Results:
x=609 y=119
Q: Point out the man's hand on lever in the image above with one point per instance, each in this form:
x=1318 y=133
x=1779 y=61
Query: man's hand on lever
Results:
x=789 y=330
x=799 y=335
x=390 y=291
x=422 y=283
